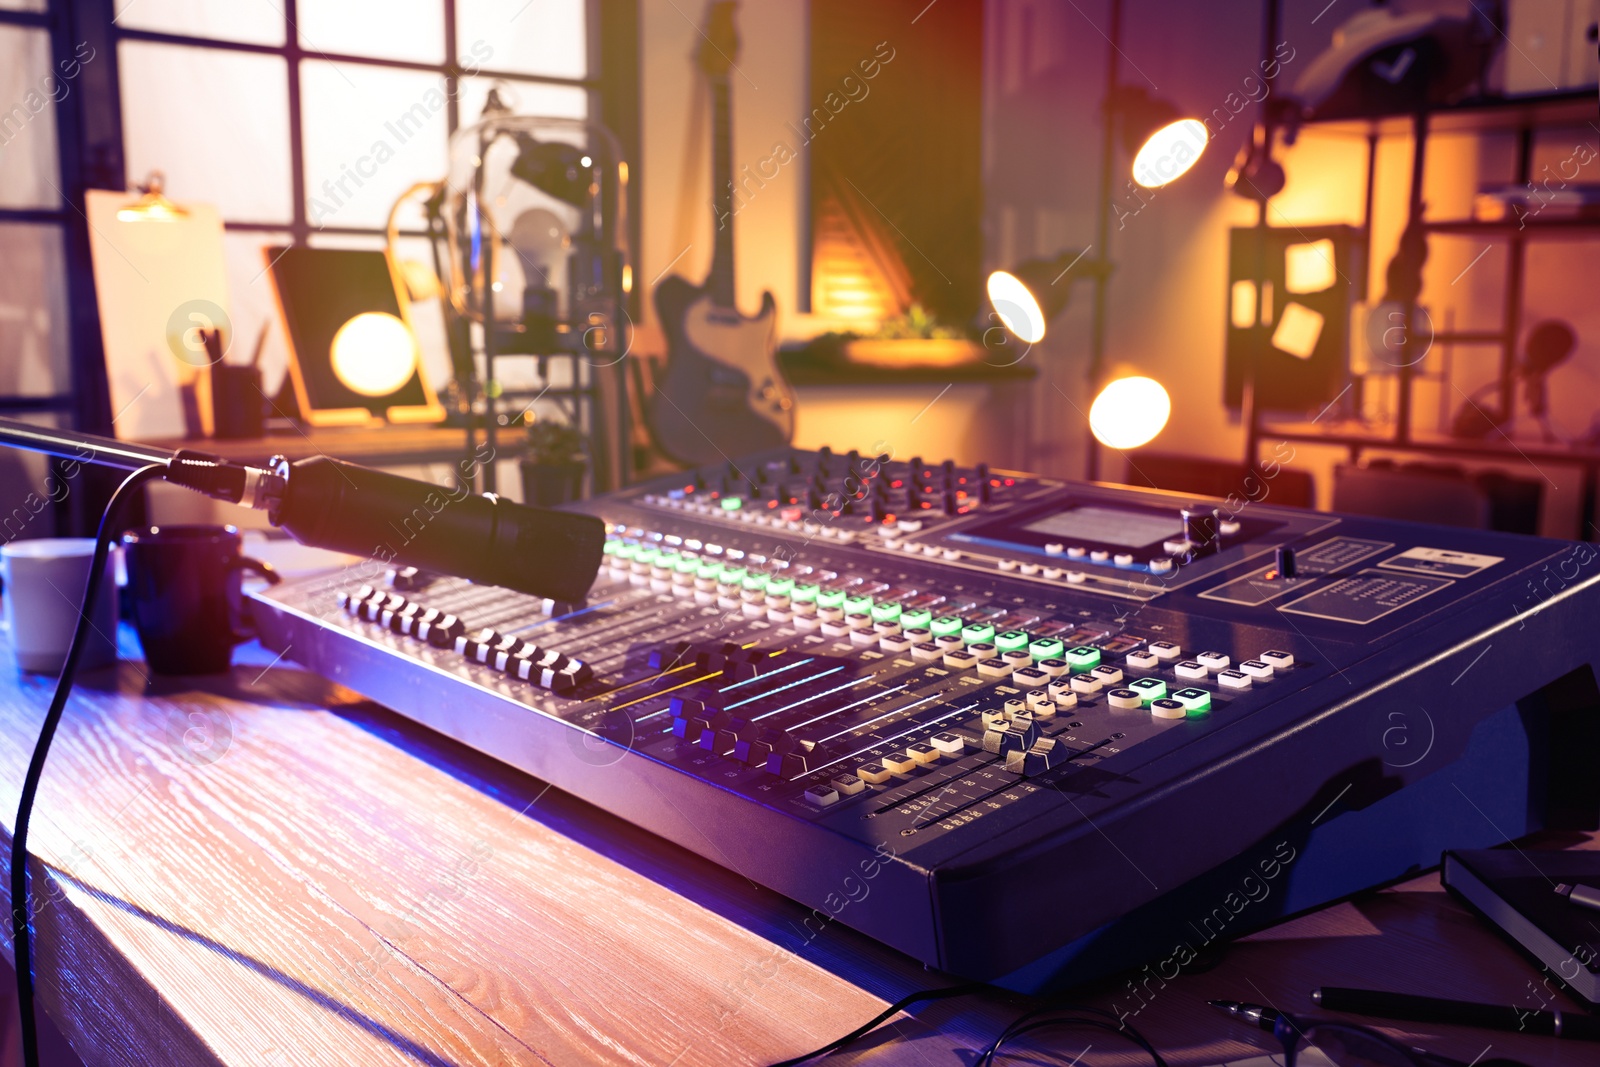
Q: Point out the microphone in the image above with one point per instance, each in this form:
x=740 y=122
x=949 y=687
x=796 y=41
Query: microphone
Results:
x=328 y=503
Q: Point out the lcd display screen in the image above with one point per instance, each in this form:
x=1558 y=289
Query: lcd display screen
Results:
x=1108 y=526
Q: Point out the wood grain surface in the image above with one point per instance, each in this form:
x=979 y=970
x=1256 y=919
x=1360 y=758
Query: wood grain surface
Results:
x=262 y=869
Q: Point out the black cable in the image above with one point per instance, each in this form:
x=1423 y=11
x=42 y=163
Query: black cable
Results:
x=888 y=1013
x=1023 y=1026
x=20 y=913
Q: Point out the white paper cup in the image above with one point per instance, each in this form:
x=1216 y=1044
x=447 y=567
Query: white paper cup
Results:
x=44 y=586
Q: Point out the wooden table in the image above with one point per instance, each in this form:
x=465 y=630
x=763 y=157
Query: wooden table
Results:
x=261 y=868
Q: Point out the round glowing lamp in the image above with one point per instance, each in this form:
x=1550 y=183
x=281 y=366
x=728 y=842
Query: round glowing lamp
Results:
x=1018 y=310
x=1129 y=412
x=1169 y=152
x=374 y=354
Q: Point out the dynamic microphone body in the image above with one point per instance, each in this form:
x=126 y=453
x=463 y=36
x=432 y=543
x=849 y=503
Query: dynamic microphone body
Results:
x=479 y=537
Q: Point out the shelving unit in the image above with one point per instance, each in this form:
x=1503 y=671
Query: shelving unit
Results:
x=1526 y=117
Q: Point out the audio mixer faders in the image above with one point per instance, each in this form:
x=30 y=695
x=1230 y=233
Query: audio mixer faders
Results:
x=1081 y=703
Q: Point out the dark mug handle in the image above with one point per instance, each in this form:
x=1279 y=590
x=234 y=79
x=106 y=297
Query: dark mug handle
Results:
x=241 y=631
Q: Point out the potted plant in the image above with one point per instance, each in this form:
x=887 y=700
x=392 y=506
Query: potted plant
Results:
x=552 y=471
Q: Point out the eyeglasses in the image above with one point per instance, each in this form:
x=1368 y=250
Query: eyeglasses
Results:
x=1357 y=1046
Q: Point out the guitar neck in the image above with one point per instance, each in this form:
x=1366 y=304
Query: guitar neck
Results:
x=720 y=282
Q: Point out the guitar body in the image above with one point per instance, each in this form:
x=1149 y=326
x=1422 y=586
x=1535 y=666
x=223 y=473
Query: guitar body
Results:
x=721 y=393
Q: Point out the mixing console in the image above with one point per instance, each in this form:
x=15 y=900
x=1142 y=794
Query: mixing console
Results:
x=1052 y=720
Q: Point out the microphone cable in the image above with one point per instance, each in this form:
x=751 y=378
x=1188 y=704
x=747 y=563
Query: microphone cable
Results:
x=21 y=919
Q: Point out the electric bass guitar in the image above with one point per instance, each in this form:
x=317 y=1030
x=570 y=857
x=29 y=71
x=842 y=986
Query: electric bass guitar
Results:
x=721 y=393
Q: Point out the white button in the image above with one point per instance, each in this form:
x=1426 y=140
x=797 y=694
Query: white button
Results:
x=822 y=795
x=1055 y=668
x=1008 y=564
x=1142 y=660
x=1052 y=572
x=887 y=532
x=1123 y=559
x=1086 y=684
x=1167 y=708
x=926 y=650
x=1227 y=527
x=1256 y=669
x=1165 y=649
x=1054 y=549
x=1029 y=568
x=1076 y=577
x=994 y=668
x=959 y=659
x=863 y=637
x=899 y=762
x=1190 y=669
x=930 y=550
x=1099 y=555
x=895 y=643
x=1064 y=699
x=1175 y=548
x=909 y=525
x=1160 y=566
x=1077 y=551
x=1108 y=674
x=1038 y=698
x=1214 y=661
x=1124 y=698
x=847 y=784
x=1233 y=680
x=923 y=753
x=1279 y=660
x=949 y=744
x=949 y=642
x=1029 y=676
x=805 y=622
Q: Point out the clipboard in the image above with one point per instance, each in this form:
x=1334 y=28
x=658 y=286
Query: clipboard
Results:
x=160 y=279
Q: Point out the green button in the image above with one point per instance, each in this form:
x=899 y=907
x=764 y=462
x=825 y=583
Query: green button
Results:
x=1082 y=658
x=649 y=556
x=1046 y=648
x=627 y=551
x=916 y=620
x=831 y=598
x=1011 y=641
x=805 y=594
x=687 y=565
x=945 y=626
x=610 y=547
x=732 y=503
x=857 y=605
x=732 y=575
x=780 y=587
x=756 y=582
x=1198 y=701
x=980 y=634
x=885 y=612
x=1149 y=689
x=713 y=571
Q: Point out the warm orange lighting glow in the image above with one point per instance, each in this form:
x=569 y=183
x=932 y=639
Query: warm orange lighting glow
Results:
x=1129 y=412
x=374 y=354
x=1298 y=331
x=1308 y=267
x=1019 y=311
x=1169 y=152
x=1244 y=305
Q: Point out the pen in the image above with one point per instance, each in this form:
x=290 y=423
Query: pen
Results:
x=1261 y=1018
x=1585 y=896
x=1413 y=1008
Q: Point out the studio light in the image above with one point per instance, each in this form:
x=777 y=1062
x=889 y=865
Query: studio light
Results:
x=1029 y=295
x=1163 y=142
x=374 y=354
x=1129 y=412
